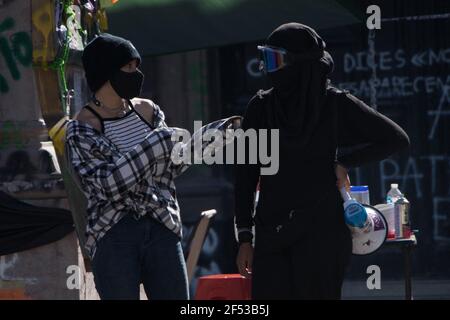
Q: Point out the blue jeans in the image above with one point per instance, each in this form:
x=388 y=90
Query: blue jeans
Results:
x=140 y=251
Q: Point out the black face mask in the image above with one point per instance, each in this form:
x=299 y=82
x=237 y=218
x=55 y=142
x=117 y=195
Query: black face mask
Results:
x=127 y=85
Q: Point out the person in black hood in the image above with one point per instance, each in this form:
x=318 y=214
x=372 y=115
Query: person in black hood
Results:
x=300 y=89
x=302 y=245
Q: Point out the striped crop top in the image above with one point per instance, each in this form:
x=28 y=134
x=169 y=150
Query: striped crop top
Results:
x=126 y=131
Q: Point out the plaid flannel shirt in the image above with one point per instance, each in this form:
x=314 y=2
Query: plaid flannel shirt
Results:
x=141 y=180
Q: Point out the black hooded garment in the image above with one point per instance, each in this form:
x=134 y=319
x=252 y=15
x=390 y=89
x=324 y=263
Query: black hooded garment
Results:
x=302 y=245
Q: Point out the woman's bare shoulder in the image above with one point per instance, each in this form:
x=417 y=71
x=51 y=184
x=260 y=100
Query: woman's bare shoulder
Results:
x=144 y=107
x=84 y=115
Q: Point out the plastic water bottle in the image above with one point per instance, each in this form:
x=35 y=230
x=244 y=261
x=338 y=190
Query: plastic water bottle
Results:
x=394 y=194
x=401 y=211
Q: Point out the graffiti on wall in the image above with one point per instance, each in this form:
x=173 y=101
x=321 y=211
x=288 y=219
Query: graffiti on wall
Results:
x=16 y=50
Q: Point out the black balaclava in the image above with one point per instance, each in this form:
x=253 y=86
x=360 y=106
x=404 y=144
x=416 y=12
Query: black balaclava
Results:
x=300 y=88
x=102 y=59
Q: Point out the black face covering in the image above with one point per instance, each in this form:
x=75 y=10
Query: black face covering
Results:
x=127 y=84
x=300 y=88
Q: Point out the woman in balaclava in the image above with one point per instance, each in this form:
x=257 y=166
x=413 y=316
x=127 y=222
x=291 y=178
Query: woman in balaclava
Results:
x=302 y=245
x=119 y=147
x=123 y=154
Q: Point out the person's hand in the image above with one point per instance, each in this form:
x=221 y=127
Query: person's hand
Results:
x=244 y=259
x=342 y=178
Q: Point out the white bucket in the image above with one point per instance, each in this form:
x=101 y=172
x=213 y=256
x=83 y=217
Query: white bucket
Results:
x=388 y=211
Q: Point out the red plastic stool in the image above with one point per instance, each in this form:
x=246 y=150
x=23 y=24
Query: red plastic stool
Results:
x=223 y=287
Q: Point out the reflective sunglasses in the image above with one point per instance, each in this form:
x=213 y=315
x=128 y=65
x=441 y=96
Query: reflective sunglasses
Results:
x=272 y=59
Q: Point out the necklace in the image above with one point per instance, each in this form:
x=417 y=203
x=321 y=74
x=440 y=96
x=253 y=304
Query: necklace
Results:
x=119 y=111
